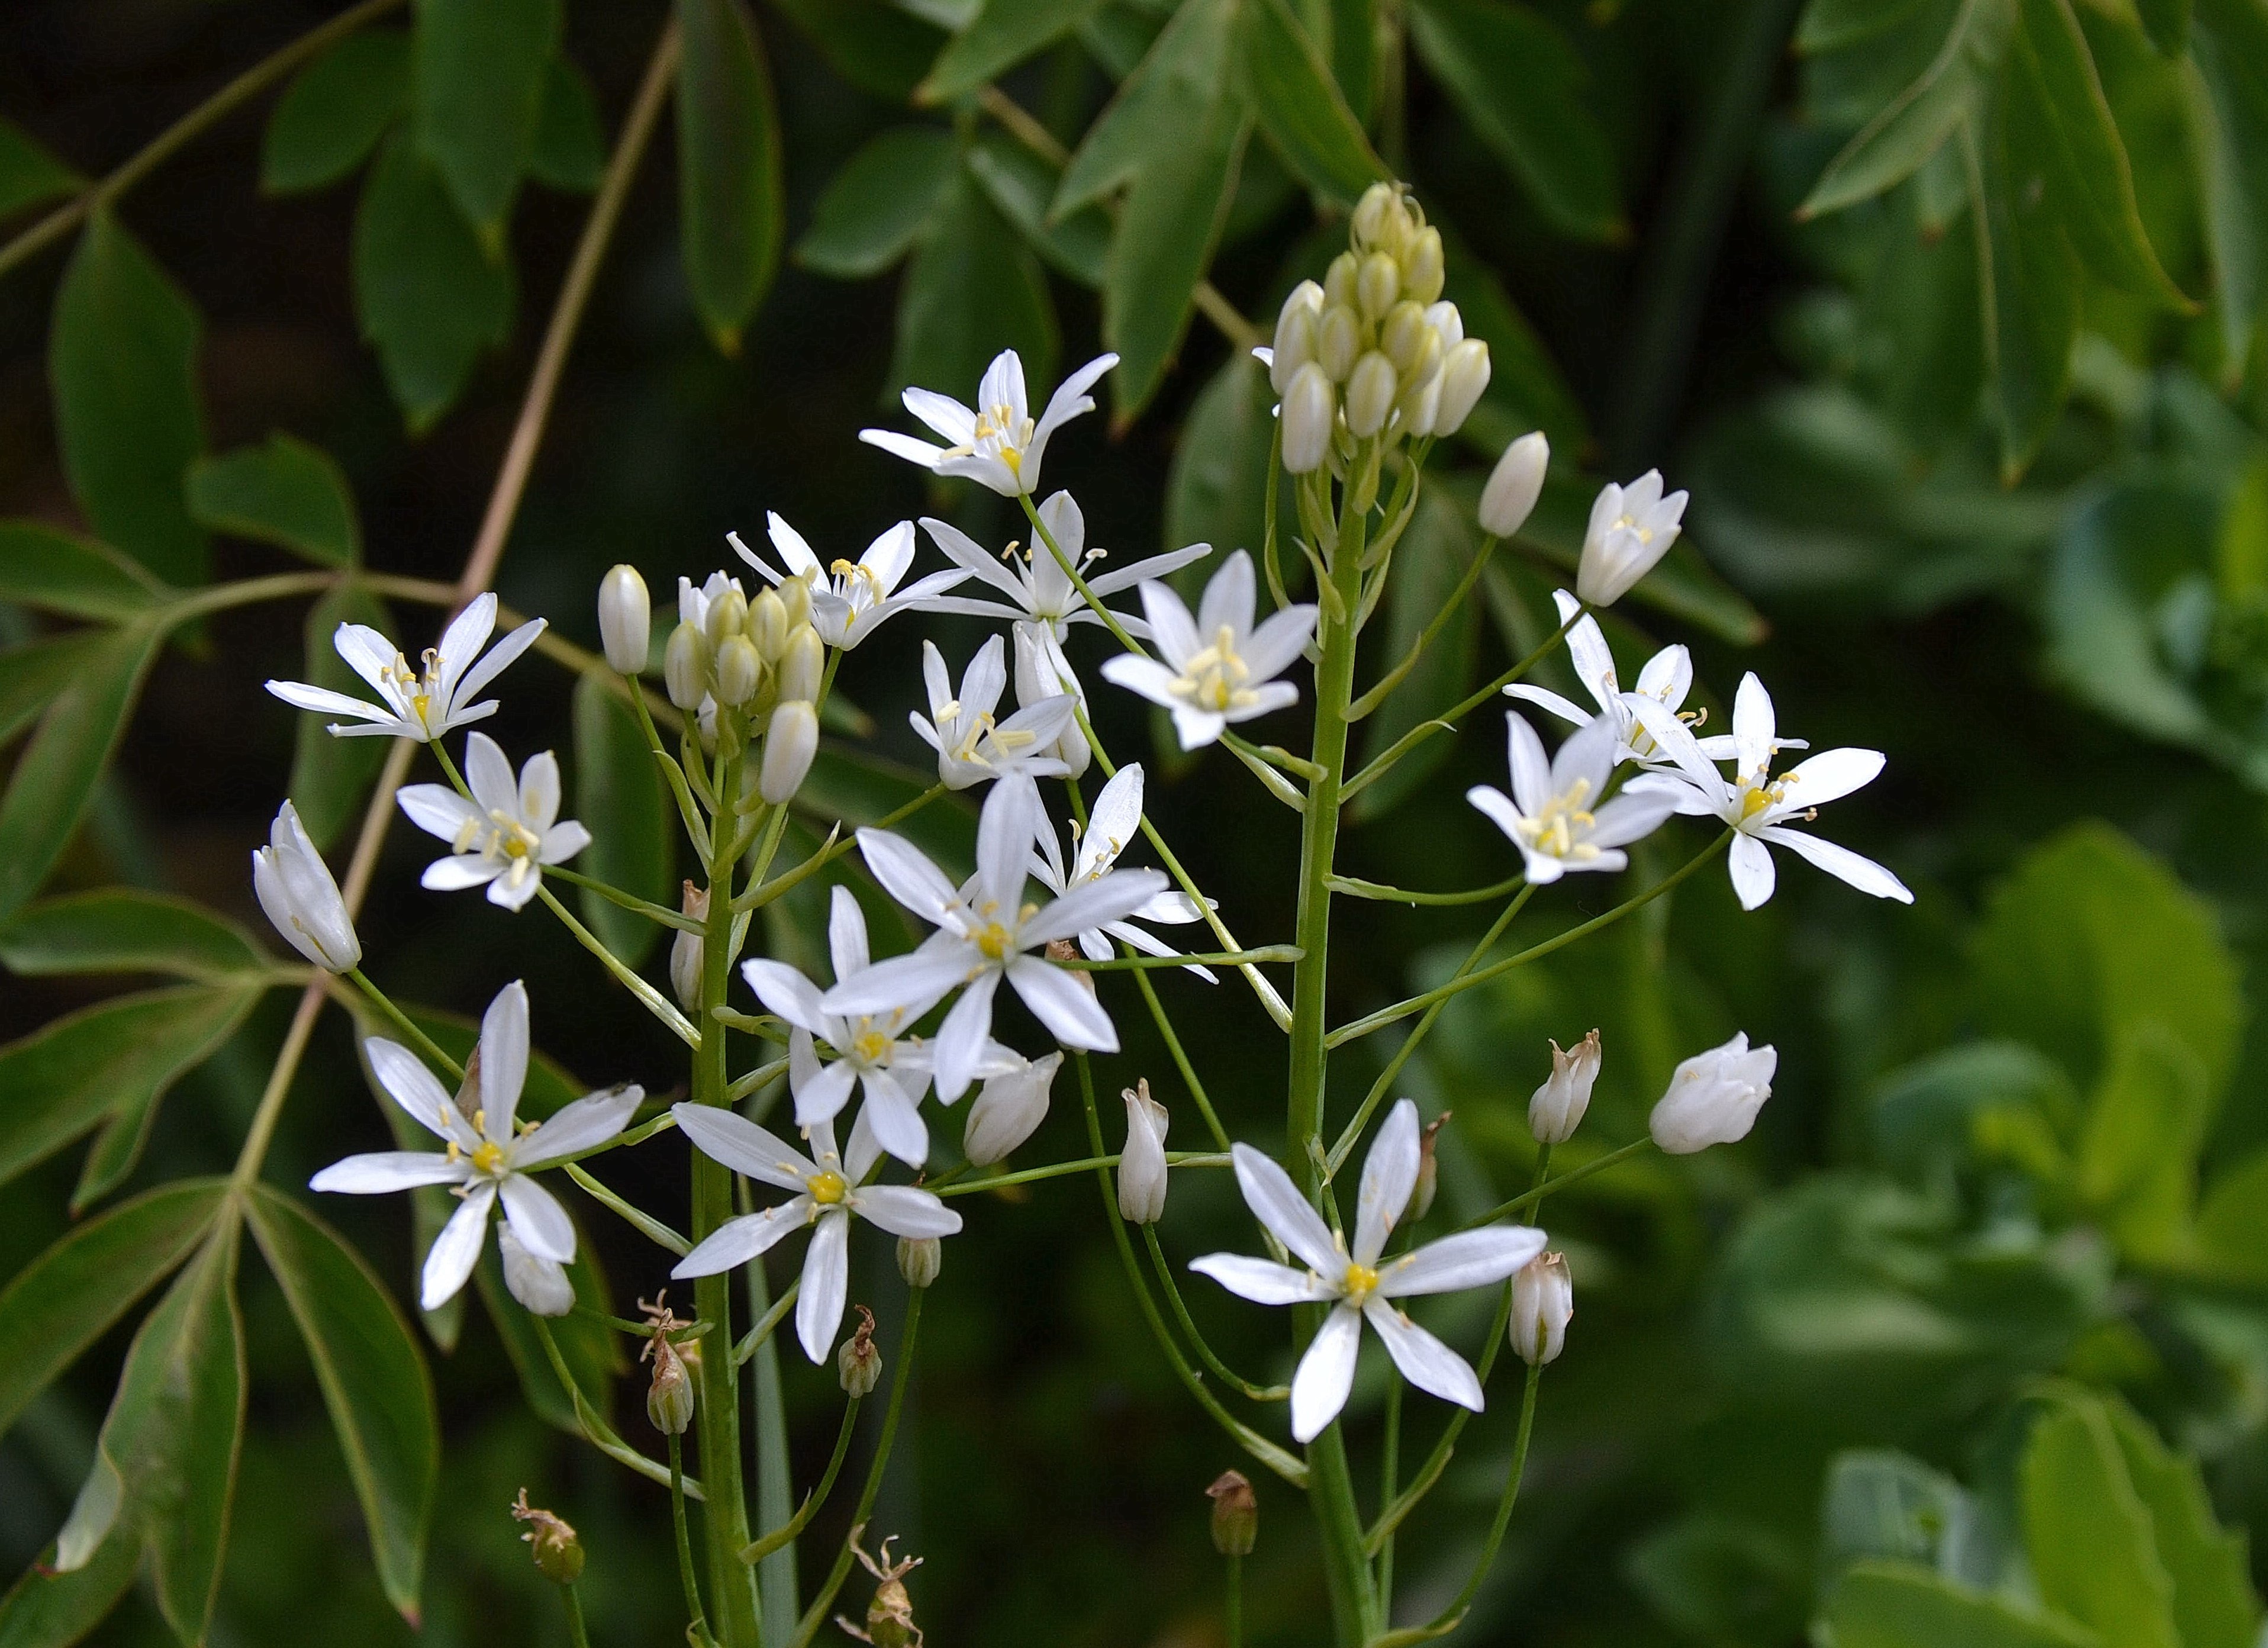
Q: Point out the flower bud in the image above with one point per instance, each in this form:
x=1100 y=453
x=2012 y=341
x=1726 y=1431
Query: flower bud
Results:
x=1557 y=1108
x=686 y=953
x=296 y=890
x=1631 y=527
x=788 y=746
x=1401 y=336
x=767 y=625
x=1542 y=1302
x=740 y=672
x=919 y=1260
x=795 y=595
x=1142 y=1173
x=1378 y=285
x=1235 y=1514
x=1515 y=485
x=1338 y=340
x=1339 y=280
x=685 y=666
x=540 y=1285
x=1423 y=266
x=1426 y=367
x=1294 y=343
x=1009 y=1109
x=1309 y=411
x=1713 y=1097
x=858 y=1364
x=802 y=664
x=1464 y=375
x=625 y=619
x=669 y=1396
x=1445 y=319
x=727 y=617
x=1429 y=1168
x=1371 y=224
x=1370 y=393
x=558 y=1554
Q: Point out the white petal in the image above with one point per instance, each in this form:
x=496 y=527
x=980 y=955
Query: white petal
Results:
x=904 y=446
x=488 y=771
x=908 y=875
x=725 y=1136
x=960 y=1039
x=910 y=984
x=454 y=875
x=1831 y=775
x=1566 y=709
x=503 y=1062
x=1531 y=772
x=846 y=937
x=826 y=1284
x=383 y=1171
x=942 y=413
x=541 y=1224
x=1147 y=676
x=1390 y=1174
x=1010 y=821
x=493 y=665
x=588 y=1122
x=1066 y=1007
x=905 y=1210
x=1276 y=1202
x=1425 y=1361
x=1262 y=1280
x=787 y=992
x=1470 y=1259
x=1840 y=862
x=438 y=810
x=412 y=1086
x=894 y=1120
x=737 y=1241
x=821 y=1096
x=1109 y=898
x=1230 y=597
x=457 y=1249
x=1325 y=1374
x=1753 y=875
x=1281 y=638
x=1170 y=621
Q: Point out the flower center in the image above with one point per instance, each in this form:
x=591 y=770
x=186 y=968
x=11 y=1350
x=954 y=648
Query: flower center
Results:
x=826 y=1188
x=1358 y=1283
x=993 y=941
x=852 y=577
x=487 y=1156
x=870 y=1045
x=1214 y=679
x=1557 y=831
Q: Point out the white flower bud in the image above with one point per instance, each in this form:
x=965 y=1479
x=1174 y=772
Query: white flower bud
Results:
x=1557 y=1109
x=685 y=666
x=1142 y=1173
x=1464 y=375
x=1423 y=266
x=685 y=952
x=1543 y=1303
x=1338 y=340
x=537 y=1283
x=1042 y=673
x=1338 y=281
x=802 y=663
x=296 y=890
x=625 y=619
x=1713 y=1097
x=1401 y=336
x=1009 y=1109
x=1444 y=317
x=1371 y=388
x=1429 y=1168
x=1631 y=527
x=727 y=617
x=1294 y=344
x=740 y=672
x=795 y=595
x=920 y=1257
x=1515 y=485
x=1309 y=409
x=1378 y=285
x=767 y=625
x=788 y=746
x=1372 y=224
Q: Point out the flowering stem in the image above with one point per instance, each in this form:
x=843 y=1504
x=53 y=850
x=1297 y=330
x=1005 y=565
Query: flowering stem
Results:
x=1232 y=1604
x=650 y=998
x=770 y=1320
x=744 y=1085
x=1079 y=580
x=1389 y=1479
x=670 y=769
x=402 y=1021
x=784 y=1535
x=1355 y=887
x=1220 y=1370
x=1449 y=1619
x=645 y=1223
x=661 y=914
x=1181 y=1058
x=1598 y=1164
x=577 y=1636
x=698 y=1631
x=596 y=1431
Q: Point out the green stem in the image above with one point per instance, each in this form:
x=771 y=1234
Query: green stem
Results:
x=1079 y=580
x=765 y=1325
x=1060 y=1170
x=644 y=1223
x=1450 y=609
x=596 y=1431
x=1534 y=1198
x=1220 y=1370
x=403 y=1023
x=784 y=1535
x=659 y=913
x=686 y=811
x=698 y=1631
x=1389 y=1483
x=1451 y=1616
x=1232 y=1604
x=1355 y=887
x=777 y=1575
x=1181 y=1058
x=577 y=1635
x=650 y=998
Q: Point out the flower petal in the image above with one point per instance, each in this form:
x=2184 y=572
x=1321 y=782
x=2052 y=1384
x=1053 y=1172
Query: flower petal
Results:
x=1262 y=1280
x=910 y=984
x=541 y=1224
x=1326 y=1374
x=905 y=1210
x=908 y=875
x=826 y=1284
x=504 y=1060
x=409 y=1085
x=1753 y=875
x=1277 y=1204
x=737 y=1241
x=583 y=1125
x=725 y=1136
x=1828 y=776
x=1840 y=862
x=961 y=1039
x=1470 y=1259
x=1390 y=1174
x=846 y=937
x=457 y=1249
x=1063 y=1004
x=382 y=1172
x=1425 y=1361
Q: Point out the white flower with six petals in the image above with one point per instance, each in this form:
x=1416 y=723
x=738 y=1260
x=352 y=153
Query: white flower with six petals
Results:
x=1554 y=814
x=505 y=834
x=999 y=443
x=1666 y=677
x=971 y=746
x=1112 y=823
x=851 y=601
x=1217 y=666
x=421 y=705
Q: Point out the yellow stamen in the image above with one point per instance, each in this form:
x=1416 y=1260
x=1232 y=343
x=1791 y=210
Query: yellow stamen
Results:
x=826 y=1188
x=488 y=1156
x=1358 y=1283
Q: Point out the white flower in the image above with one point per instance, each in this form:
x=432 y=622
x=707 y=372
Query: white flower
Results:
x=851 y=602
x=1142 y=1170
x=1555 y=1110
x=485 y=1159
x=1356 y=1284
x=830 y=1190
x=1543 y=1305
x=423 y=706
x=1631 y=527
x=984 y=931
x=1111 y=827
x=1009 y=1108
x=1514 y=486
x=296 y=890
x=999 y=444
x=1713 y=1097
x=1217 y=668
x=1042 y=672
x=1666 y=678
x=971 y=747
x=1554 y=816
x=542 y=1286
x=505 y=834
x=1757 y=805
x=625 y=620
x=695 y=600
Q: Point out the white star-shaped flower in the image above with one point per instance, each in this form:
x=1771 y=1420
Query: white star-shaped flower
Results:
x=1112 y=824
x=421 y=705
x=851 y=601
x=1630 y=528
x=999 y=444
x=972 y=746
x=505 y=834
x=1217 y=668
x=1666 y=677
x=1555 y=816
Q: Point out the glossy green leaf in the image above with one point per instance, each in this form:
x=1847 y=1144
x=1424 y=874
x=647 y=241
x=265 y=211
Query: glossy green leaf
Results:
x=2229 y=116
x=374 y=1383
x=1167 y=231
x=122 y=357
x=1287 y=82
x=2088 y=1533
x=2167 y=22
x=476 y=95
x=64 y=1077
x=28 y=174
x=45 y=1609
x=1022 y=187
x=633 y=824
x=2029 y=279
x=287 y=493
x=1892 y=1506
x=972 y=289
x=55 y=776
x=429 y=298
x=1518 y=82
x=32 y=673
x=332 y=116
x=1218 y=480
x=728 y=165
x=1893 y=144
x=570 y=150
x=331 y=776
x=876 y=205
x=1885 y=1605
x=42 y=568
x=2214 y=1605
x=1168 y=98
x=877 y=46
x=1001 y=35
x=122 y=930
x=70 y=1296
x=1994 y=1099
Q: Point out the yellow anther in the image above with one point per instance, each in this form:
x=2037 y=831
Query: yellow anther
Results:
x=1358 y=1283
x=870 y=1044
x=992 y=942
x=826 y=1188
x=488 y=1156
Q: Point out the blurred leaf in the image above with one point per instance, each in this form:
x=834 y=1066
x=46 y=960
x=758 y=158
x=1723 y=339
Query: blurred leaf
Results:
x=2139 y=1156
x=2088 y=1533
x=476 y=96
x=45 y=1609
x=1219 y=481
x=67 y=1298
x=1168 y=98
x=1001 y=35
x=374 y=1383
x=618 y=795
x=2213 y=1602
x=2031 y=279
x=1350 y=42
x=728 y=167
x=2232 y=1228
x=1719 y=1579
x=1167 y=231
x=430 y=298
x=1289 y=87
x=1526 y=390
x=287 y=493
x=874 y=44
x=1433 y=555
x=56 y=774
x=1991 y=1099
x=586 y=1345
x=333 y=114
x=2228 y=100
x=120 y=929
x=32 y=673
x=28 y=174
x=331 y=776
x=122 y=357
x=2167 y=22
x=877 y=203
x=1887 y=1605
x=972 y=289
x=1910 y=128
x=42 y=568
x=1022 y=185
x=1521 y=87
x=1882 y=1505
x=570 y=150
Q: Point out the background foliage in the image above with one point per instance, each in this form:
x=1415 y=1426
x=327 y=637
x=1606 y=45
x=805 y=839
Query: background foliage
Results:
x=1948 y=311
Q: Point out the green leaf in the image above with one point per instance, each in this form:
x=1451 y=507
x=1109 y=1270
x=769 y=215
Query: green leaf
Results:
x=28 y=174
x=877 y=46
x=2088 y=1533
x=1167 y=231
x=2030 y=281
x=333 y=114
x=1001 y=35
x=1219 y=481
x=287 y=493
x=1526 y=387
x=1883 y=1505
x=32 y=673
x=1525 y=92
x=2167 y=22
x=42 y=568
x=1169 y=97
x=2232 y=1227
x=120 y=929
x=1023 y=186
x=67 y=1298
x=1889 y=1605
x=373 y=1379
x=331 y=776
x=122 y=356
x=109 y=1059
x=1291 y=93
x=2228 y=114
x=570 y=150
x=876 y=205
x=1432 y=556
x=618 y=795
x=972 y=289
x=45 y=1609
x=728 y=167
x=430 y=298
x=1893 y=144
x=477 y=96
x=56 y=774
x=2213 y=1602
x=1994 y=1099
x=2138 y=1156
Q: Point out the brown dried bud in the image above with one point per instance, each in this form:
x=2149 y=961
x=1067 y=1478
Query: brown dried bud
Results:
x=669 y=1398
x=1421 y=1198
x=859 y=1362
x=890 y=1616
x=1235 y=1514
x=558 y=1554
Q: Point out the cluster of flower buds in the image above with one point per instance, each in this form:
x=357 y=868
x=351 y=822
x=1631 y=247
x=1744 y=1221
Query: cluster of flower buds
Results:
x=1374 y=352
x=750 y=668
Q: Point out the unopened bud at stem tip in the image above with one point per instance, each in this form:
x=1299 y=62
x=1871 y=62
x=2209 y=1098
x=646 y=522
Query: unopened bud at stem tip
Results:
x=1235 y=1514
x=625 y=619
